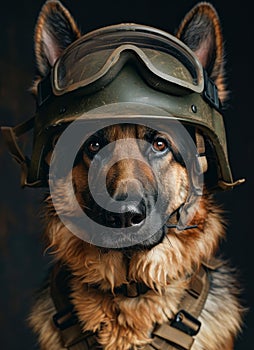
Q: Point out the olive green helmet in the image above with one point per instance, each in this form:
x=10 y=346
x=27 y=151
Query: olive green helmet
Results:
x=134 y=69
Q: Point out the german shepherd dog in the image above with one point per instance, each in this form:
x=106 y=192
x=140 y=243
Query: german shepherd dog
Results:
x=130 y=298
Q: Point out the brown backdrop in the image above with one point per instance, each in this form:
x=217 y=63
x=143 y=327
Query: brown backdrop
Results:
x=22 y=264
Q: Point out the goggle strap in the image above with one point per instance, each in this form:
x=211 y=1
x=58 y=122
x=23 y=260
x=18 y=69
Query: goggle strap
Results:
x=200 y=144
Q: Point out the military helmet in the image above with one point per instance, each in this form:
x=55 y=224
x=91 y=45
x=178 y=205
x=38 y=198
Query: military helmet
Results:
x=124 y=71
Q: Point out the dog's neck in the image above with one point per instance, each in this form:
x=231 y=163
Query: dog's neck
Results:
x=166 y=270
x=173 y=259
x=190 y=307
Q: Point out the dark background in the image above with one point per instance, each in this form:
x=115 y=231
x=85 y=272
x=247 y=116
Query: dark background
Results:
x=22 y=263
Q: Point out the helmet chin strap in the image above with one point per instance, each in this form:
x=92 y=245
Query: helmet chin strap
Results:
x=181 y=214
x=200 y=145
x=198 y=169
x=10 y=136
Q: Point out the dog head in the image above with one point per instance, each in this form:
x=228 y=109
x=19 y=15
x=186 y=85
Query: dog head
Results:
x=140 y=174
x=132 y=141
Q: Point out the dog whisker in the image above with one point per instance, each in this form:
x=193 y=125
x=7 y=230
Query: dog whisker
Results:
x=168 y=240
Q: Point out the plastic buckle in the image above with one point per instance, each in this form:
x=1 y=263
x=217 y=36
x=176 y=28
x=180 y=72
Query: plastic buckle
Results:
x=65 y=318
x=186 y=323
x=211 y=92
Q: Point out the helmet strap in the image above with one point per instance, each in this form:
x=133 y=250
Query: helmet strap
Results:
x=182 y=213
x=200 y=144
x=11 y=135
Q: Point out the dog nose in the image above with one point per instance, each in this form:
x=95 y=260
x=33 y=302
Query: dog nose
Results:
x=128 y=207
x=128 y=215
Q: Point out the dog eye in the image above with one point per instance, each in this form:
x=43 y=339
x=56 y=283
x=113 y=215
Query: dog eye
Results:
x=160 y=145
x=94 y=146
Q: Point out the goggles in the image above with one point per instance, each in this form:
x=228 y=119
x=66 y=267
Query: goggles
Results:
x=96 y=58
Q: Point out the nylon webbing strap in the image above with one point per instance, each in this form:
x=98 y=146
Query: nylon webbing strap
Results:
x=200 y=143
x=170 y=336
x=11 y=141
x=176 y=334
x=10 y=135
x=197 y=293
x=65 y=320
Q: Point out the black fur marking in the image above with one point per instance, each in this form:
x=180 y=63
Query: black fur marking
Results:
x=199 y=30
x=60 y=29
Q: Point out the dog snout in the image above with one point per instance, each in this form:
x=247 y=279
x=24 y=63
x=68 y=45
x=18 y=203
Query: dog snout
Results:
x=128 y=206
x=128 y=190
x=126 y=214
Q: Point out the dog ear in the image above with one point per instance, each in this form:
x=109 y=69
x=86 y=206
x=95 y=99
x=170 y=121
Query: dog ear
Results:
x=54 y=31
x=200 y=30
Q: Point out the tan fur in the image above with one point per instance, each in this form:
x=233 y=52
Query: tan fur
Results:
x=119 y=320
x=42 y=32
x=123 y=323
